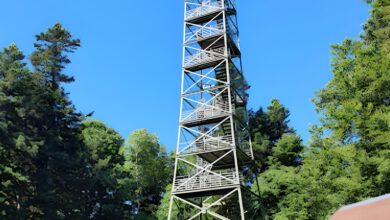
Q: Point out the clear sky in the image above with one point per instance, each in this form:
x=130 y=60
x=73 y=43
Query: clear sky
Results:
x=129 y=67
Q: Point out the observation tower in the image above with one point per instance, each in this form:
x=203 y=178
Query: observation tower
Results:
x=214 y=157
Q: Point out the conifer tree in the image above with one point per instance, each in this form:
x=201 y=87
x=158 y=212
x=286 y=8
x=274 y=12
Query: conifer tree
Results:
x=267 y=128
x=59 y=182
x=19 y=142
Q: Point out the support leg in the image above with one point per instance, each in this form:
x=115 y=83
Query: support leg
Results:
x=241 y=205
x=170 y=208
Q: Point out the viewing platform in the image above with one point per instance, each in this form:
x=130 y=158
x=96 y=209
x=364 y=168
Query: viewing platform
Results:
x=209 y=36
x=199 y=59
x=211 y=149
x=206 y=183
x=205 y=113
x=198 y=13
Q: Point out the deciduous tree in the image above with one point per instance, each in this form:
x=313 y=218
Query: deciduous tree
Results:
x=149 y=168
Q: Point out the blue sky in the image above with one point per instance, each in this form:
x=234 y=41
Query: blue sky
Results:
x=129 y=66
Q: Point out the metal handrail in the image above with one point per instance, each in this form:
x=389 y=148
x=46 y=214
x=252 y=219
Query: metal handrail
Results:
x=207 y=144
x=203 y=56
x=205 y=111
x=204 y=32
x=207 y=180
x=203 y=9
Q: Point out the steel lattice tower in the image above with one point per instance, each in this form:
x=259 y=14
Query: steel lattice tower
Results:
x=214 y=152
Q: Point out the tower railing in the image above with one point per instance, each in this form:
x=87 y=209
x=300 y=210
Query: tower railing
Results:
x=201 y=9
x=195 y=10
x=206 y=143
x=207 y=180
x=200 y=56
x=202 y=32
x=204 y=111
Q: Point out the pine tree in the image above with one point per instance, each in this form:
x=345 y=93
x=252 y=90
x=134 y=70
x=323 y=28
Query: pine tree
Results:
x=61 y=170
x=19 y=142
x=266 y=129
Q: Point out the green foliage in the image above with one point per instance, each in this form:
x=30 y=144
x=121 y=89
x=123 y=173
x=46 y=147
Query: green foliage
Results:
x=348 y=157
x=287 y=151
x=103 y=144
x=19 y=143
x=279 y=180
x=59 y=160
x=266 y=129
x=355 y=99
x=150 y=169
x=278 y=151
x=162 y=212
x=180 y=210
x=55 y=165
x=51 y=55
x=105 y=196
x=355 y=103
x=377 y=30
x=275 y=184
x=39 y=134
